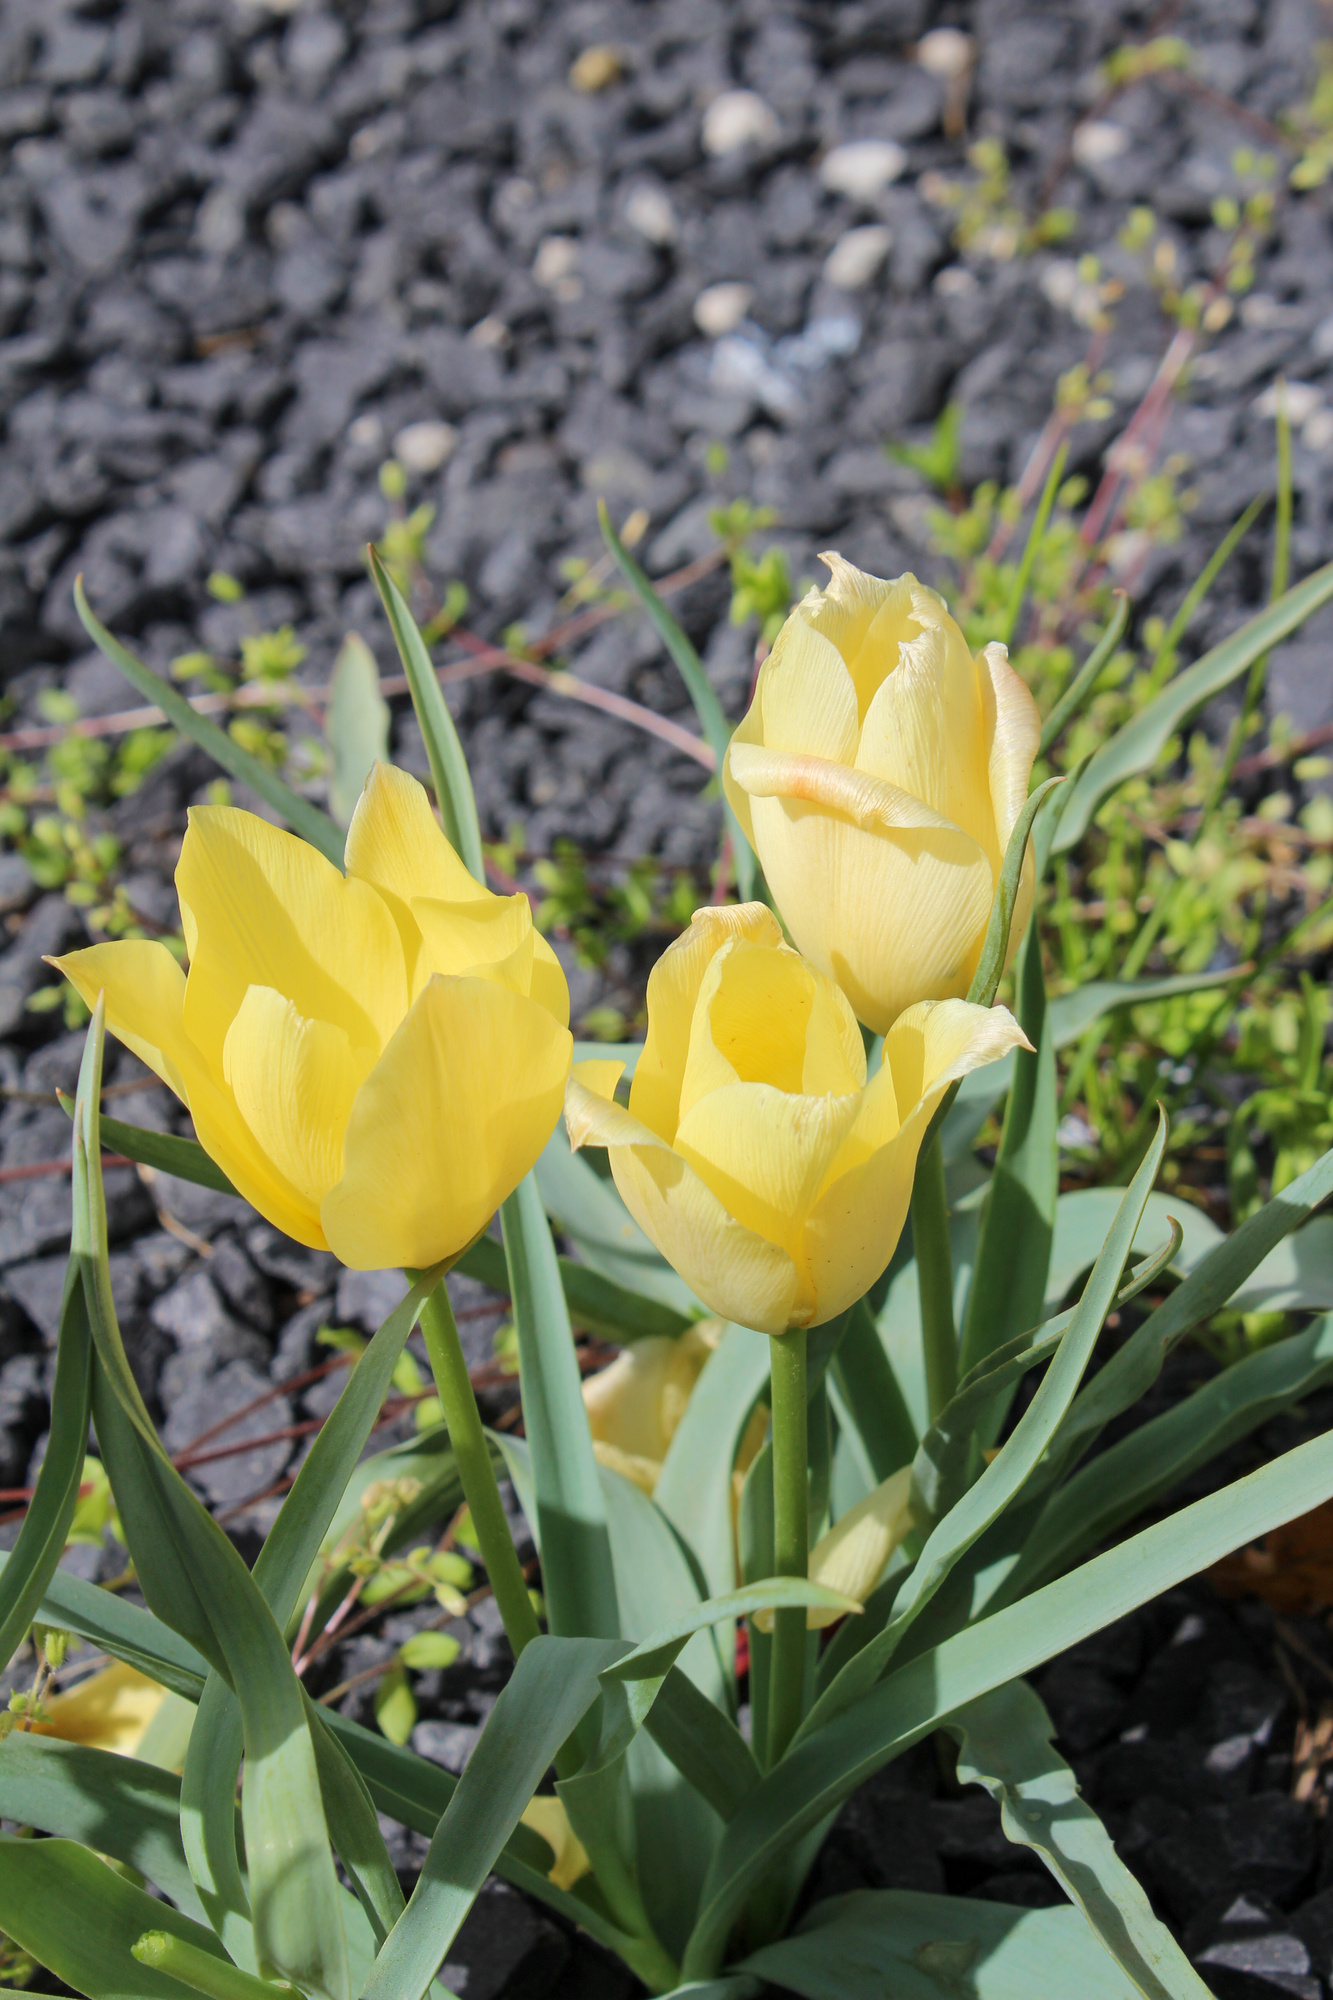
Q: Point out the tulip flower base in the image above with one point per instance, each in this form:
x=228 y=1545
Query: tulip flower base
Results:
x=868 y=1411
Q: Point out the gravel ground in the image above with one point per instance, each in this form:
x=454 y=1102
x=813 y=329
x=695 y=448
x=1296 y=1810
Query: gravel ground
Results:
x=246 y=254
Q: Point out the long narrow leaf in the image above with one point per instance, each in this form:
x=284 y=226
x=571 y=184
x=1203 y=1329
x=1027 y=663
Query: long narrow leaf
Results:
x=301 y=816
x=1085 y=680
x=1009 y=1472
x=1136 y=747
x=869 y=1390
x=694 y=1487
x=820 y=1772
x=1004 y=1744
x=577 y=1571
x=448 y=766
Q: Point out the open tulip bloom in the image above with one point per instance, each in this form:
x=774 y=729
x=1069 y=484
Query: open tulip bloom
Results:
x=769 y=1565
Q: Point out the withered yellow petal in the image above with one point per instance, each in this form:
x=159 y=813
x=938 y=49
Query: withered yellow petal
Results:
x=445 y=1126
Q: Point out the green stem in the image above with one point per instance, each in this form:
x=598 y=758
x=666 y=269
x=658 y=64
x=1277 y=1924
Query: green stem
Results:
x=791 y=1534
x=934 y=1268
x=216 y=1977
x=473 y=1458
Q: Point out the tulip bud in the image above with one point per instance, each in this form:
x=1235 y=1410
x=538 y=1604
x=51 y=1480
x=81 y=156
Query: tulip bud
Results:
x=878 y=776
x=754 y=1153
x=375 y=1059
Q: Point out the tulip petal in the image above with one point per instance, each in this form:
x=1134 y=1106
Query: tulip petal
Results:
x=482 y=940
x=271 y=911
x=600 y=1075
x=852 y=1557
x=673 y=988
x=925 y=733
x=896 y=623
x=396 y=844
x=145 y=996
x=764 y=1153
x=844 y=609
x=737 y=1273
x=1013 y=728
x=858 y=1216
x=294 y=1081
x=750 y=1021
x=145 y=993
x=835 y=1050
x=878 y=891
x=806 y=697
x=635 y=1405
x=549 y=987
x=445 y=1126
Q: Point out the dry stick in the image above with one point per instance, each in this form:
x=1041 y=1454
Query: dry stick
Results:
x=45 y=1169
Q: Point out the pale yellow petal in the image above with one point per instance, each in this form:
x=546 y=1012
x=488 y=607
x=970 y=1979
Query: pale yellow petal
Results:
x=925 y=733
x=145 y=990
x=1013 y=730
x=852 y=1557
x=764 y=1154
x=600 y=1075
x=635 y=1405
x=750 y=1021
x=673 y=988
x=294 y=1081
x=641 y=1472
x=452 y=1116
x=844 y=609
x=395 y=843
x=549 y=985
x=271 y=911
x=806 y=697
x=110 y=1710
x=484 y=940
x=891 y=914
x=145 y=999
x=938 y=1042
x=835 y=1050
x=546 y=1815
x=858 y=796
x=739 y=1275
x=895 y=624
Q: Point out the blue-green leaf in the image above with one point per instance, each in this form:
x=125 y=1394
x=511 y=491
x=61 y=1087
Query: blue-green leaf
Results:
x=356 y=723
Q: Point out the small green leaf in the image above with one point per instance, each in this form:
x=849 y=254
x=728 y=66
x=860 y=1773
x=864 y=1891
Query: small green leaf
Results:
x=428 y=1649
x=395 y=1706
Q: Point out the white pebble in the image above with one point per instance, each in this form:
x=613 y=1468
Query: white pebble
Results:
x=556 y=265
x=1300 y=400
x=856 y=256
x=425 y=446
x=1317 y=431
x=649 y=211
x=945 y=52
x=738 y=118
x=719 y=309
x=1097 y=140
x=863 y=168
x=365 y=432
x=955 y=281
x=1321 y=342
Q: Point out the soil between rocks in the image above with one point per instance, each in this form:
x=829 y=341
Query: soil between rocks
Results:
x=242 y=253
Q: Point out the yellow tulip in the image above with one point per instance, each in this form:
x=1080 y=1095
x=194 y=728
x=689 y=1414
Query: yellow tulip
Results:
x=375 y=1059
x=635 y=1404
x=854 y=1554
x=110 y=1710
x=878 y=776
x=754 y=1153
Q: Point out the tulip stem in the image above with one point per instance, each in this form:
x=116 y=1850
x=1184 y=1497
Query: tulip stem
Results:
x=473 y=1458
x=791 y=1534
x=934 y=1265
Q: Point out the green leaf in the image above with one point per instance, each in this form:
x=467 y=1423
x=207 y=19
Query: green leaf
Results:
x=577 y=1573
x=650 y=1660
x=1136 y=747
x=877 y=1942
x=356 y=723
x=610 y=1310
x=1007 y=1473
x=829 y=1764
x=448 y=766
x=1083 y=1217
x=995 y=949
x=303 y=818
x=395 y=1706
x=1014 y=1247
x=1295 y=1276
x=124 y=1808
x=41 y=1539
x=122 y=1630
x=185 y=1158
x=426 y=1650
x=864 y=1380
x=716 y=728
x=1085 y=680
x=1004 y=1744
x=181 y=1553
x=552 y=1687
x=694 y=1487
x=1132 y=1475
x=79 y=1918
x=704 y=1744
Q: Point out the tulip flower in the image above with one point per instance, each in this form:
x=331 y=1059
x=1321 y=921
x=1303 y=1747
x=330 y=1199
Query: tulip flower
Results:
x=375 y=1059
x=854 y=1554
x=110 y=1710
x=878 y=775
x=635 y=1404
x=754 y=1153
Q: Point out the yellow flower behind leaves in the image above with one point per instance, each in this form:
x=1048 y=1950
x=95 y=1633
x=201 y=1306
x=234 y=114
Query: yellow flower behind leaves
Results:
x=754 y=1153
x=878 y=775
x=635 y=1404
x=375 y=1059
x=854 y=1554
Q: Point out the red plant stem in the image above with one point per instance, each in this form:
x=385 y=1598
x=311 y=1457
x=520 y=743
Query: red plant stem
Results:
x=44 y=1169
